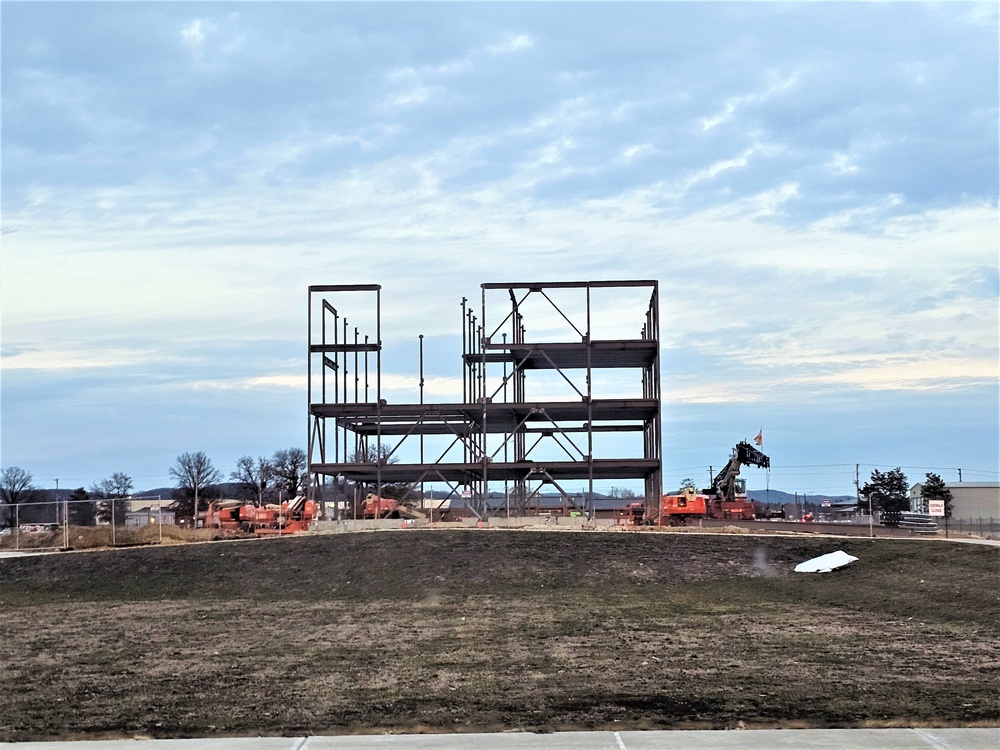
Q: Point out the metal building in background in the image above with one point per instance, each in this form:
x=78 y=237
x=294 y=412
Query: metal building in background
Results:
x=532 y=417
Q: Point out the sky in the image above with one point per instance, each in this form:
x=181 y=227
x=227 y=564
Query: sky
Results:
x=813 y=185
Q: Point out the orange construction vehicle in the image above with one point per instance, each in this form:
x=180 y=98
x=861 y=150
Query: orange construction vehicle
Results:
x=379 y=507
x=727 y=495
x=676 y=509
x=387 y=507
x=726 y=499
x=288 y=517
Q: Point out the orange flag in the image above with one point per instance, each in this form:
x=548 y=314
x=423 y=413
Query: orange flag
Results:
x=759 y=440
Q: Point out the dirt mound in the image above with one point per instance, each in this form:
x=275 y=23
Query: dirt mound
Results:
x=98 y=537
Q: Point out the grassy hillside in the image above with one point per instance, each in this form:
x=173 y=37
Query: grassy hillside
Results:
x=480 y=630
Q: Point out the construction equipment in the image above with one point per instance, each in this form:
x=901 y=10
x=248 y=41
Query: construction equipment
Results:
x=630 y=515
x=288 y=517
x=727 y=495
x=676 y=509
x=387 y=507
x=725 y=500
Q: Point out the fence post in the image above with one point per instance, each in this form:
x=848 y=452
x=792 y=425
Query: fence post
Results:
x=17 y=527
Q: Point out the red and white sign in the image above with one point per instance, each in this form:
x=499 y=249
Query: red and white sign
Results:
x=935 y=507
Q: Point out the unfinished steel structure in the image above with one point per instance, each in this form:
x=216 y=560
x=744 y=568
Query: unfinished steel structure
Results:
x=531 y=415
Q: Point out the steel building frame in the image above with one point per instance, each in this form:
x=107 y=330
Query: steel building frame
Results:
x=500 y=433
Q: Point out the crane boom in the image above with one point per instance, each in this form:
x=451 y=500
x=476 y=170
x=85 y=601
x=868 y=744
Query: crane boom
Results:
x=744 y=454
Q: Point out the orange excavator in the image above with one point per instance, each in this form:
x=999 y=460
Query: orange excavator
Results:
x=288 y=517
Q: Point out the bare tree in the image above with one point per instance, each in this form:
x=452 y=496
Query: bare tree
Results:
x=371 y=454
x=194 y=473
x=114 y=492
x=622 y=492
x=290 y=471
x=255 y=477
x=380 y=454
x=15 y=488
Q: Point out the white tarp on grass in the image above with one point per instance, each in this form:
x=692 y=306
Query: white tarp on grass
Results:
x=825 y=563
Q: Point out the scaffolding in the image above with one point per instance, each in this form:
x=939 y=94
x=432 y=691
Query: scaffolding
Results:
x=530 y=417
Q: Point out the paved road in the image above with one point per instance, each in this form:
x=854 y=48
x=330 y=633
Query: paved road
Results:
x=761 y=739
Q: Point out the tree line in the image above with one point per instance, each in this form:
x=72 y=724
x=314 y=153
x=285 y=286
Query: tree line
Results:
x=886 y=493
x=284 y=475
x=257 y=480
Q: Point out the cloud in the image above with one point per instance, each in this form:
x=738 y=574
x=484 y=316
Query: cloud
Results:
x=713 y=170
x=193 y=38
x=777 y=86
x=59 y=358
x=512 y=43
x=818 y=229
x=209 y=43
x=918 y=374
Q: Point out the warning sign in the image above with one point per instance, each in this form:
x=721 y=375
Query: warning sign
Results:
x=935 y=507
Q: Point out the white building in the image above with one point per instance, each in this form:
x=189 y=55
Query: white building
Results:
x=970 y=500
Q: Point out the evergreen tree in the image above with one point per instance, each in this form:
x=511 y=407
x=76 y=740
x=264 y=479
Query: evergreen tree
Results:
x=934 y=488
x=886 y=491
x=82 y=510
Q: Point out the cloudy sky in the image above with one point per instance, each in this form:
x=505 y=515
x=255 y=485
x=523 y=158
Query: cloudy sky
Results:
x=814 y=186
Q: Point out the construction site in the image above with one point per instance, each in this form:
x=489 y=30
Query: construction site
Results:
x=508 y=612
x=532 y=415
x=560 y=392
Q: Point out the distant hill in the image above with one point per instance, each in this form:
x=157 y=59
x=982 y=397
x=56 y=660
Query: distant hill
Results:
x=776 y=497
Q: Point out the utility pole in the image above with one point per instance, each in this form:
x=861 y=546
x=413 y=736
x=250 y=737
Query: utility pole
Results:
x=857 y=488
x=959 y=475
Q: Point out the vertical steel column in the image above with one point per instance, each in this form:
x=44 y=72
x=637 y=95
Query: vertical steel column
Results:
x=378 y=389
x=309 y=417
x=421 y=358
x=590 y=412
x=482 y=397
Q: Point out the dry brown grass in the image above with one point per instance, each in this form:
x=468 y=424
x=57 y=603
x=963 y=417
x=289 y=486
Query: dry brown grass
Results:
x=100 y=537
x=472 y=631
